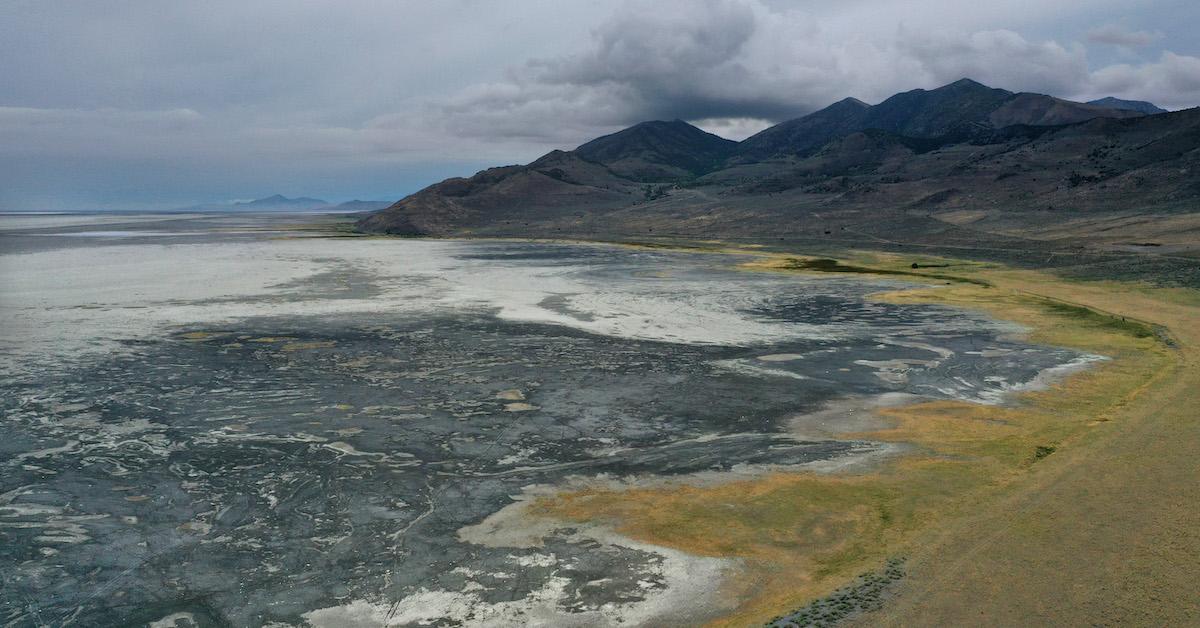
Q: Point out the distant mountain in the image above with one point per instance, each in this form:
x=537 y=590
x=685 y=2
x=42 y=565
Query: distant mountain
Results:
x=1142 y=106
x=279 y=202
x=658 y=151
x=1043 y=110
x=361 y=206
x=964 y=163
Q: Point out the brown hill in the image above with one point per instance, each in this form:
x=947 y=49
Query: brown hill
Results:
x=557 y=182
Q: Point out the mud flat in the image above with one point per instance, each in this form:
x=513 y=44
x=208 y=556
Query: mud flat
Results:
x=248 y=426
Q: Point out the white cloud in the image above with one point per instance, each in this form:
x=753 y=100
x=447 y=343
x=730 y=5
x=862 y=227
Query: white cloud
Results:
x=742 y=60
x=1173 y=81
x=998 y=58
x=1116 y=35
x=255 y=89
x=733 y=128
x=98 y=133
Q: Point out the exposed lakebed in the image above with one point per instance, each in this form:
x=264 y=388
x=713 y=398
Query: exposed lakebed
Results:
x=232 y=428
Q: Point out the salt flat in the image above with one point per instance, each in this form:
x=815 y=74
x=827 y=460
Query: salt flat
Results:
x=234 y=426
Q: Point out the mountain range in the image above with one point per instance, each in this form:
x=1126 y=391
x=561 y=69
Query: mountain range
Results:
x=280 y=203
x=962 y=165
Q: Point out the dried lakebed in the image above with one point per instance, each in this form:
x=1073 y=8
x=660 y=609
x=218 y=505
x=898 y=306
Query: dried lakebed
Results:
x=230 y=428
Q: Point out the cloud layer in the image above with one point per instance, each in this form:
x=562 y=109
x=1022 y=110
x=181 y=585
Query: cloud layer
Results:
x=1116 y=35
x=737 y=65
x=123 y=101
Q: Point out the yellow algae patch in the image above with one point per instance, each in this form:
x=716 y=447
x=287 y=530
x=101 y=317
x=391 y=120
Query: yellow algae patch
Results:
x=929 y=272
x=198 y=335
x=511 y=395
x=693 y=246
x=802 y=535
x=519 y=407
x=655 y=274
x=303 y=346
x=270 y=339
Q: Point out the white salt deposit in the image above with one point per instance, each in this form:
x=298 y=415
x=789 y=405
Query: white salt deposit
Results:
x=65 y=302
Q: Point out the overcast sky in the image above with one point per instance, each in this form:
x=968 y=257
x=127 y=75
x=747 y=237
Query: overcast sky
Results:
x=148 y=103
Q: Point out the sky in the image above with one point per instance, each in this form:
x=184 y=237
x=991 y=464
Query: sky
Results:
x=145 y=104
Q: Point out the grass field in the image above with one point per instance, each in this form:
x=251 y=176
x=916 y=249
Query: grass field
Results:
x=1078 y=505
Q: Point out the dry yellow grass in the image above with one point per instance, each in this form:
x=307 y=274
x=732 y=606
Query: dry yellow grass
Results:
x=1107 y=532
x=955 y=505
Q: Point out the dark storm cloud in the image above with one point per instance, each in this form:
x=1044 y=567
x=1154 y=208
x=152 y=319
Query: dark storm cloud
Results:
x=727 y=62
x=328 y=99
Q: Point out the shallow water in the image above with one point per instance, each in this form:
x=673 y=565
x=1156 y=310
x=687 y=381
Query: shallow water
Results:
x=230 y=428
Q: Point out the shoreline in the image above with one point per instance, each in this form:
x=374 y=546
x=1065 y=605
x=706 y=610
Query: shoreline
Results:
x=774 y=533
x=1005 y=294
x=1151 y=331
x=882 y=419
x=583 y=506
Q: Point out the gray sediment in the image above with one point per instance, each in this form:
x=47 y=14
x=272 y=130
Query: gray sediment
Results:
x=338 y=430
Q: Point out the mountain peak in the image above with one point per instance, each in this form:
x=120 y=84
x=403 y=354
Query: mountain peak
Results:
x=850 y=102
x=657 y=150
x=675 y=125
x=966 y=87
x=930 y=113
x=967 y=82
x=808 y=133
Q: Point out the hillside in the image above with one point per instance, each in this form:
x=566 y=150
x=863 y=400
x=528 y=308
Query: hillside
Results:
x=1141 y=106
x=807 y=133
x=509 y=197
